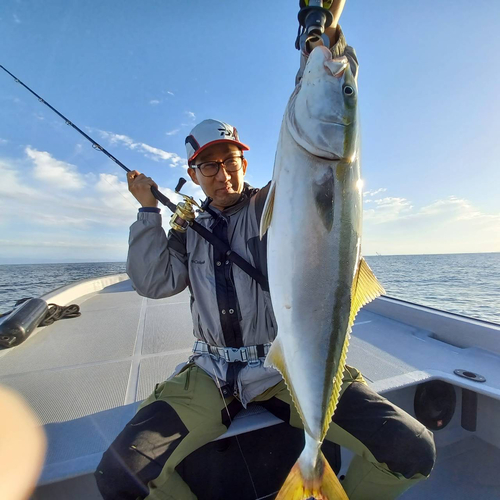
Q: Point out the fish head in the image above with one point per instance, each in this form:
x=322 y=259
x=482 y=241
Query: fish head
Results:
x=322 y=113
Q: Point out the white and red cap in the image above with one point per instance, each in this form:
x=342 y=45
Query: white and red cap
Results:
x=210 y=132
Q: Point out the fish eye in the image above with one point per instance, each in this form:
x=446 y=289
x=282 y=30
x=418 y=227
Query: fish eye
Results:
x=348 y=90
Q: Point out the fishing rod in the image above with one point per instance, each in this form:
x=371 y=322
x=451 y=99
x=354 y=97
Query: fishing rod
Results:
x=159 y=196
x=183 y=213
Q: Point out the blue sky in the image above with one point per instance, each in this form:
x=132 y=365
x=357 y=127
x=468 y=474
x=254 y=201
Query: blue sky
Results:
x=138 y=75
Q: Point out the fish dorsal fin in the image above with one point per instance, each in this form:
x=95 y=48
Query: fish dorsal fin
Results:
x=276 y=359
x=267 y=214
x=365 y=288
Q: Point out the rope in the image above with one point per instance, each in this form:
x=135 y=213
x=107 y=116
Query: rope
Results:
x=56 y=313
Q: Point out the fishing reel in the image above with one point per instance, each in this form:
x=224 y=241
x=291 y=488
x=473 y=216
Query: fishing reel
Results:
x=314 y=17
x=184 y=213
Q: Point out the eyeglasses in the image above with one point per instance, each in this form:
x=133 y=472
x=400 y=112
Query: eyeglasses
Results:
x=211 y=168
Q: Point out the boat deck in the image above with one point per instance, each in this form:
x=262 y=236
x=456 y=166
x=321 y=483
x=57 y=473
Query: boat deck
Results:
x=84 y=377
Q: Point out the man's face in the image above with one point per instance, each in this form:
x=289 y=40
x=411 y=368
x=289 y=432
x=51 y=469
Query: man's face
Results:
x=225 y=187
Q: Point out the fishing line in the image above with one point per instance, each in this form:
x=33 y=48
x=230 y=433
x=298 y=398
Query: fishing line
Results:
x=118 y=191
x=178 y=216
x=271 y=495
x=236 y=436
x=233 y=256
x=159 y=196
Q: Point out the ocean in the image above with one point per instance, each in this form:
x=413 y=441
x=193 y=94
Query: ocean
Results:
x=466 y=284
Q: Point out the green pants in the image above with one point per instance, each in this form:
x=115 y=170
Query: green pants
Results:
x=392 y=450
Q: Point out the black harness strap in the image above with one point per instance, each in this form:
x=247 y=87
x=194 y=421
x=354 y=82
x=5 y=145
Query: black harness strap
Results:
x=232 y=256
x=202 y=231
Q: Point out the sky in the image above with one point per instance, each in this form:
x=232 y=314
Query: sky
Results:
x=137 y=76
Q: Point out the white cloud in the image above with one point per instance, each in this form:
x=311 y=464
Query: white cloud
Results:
x=158 y=154
x=117 y=138
x=170 y=93
x=456 y=208
x=3 y=141
x=106 y=201
x=11 y=186
x=370 y=194
x=110 y=185
x=387 y=209
x=191 y=115
x=16 y=19
x=56 y=172
x=23 y=200
x=154 y=102
x=48 y=222
x=172 y=132
x=448 y=225
x=151 y=152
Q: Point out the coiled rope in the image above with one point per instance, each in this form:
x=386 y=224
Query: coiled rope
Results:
x=54 y=313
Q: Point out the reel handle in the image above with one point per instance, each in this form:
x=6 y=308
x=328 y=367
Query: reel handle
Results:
x=180 y=184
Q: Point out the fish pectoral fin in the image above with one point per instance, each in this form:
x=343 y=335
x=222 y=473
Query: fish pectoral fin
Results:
x=267 y=213
x=276 y=359
x=324 y=484
x=365 y=288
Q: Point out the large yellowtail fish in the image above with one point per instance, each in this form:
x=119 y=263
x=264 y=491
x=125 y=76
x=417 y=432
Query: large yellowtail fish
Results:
x=317 y=277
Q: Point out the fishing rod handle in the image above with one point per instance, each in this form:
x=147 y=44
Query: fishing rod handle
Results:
x=163 y=199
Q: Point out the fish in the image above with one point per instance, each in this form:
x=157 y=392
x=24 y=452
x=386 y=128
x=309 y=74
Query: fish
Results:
x=317 y=277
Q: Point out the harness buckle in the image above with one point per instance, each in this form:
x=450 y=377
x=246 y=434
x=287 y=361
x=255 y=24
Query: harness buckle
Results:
x=247 y=354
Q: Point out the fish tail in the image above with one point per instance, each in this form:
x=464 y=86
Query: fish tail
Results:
x=321 y=485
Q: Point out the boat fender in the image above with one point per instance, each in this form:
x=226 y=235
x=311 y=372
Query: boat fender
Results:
x=20 y=323
x=434 y=404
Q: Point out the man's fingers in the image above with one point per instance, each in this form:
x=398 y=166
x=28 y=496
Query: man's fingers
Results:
x=137 y=180
x=140 y=187
x=131 y=176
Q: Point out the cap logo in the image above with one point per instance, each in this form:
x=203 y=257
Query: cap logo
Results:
x=192 y=142
x=224 y=132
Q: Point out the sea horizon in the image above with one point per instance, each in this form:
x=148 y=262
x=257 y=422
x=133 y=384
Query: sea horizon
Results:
x=460 y=283
x=29 y=263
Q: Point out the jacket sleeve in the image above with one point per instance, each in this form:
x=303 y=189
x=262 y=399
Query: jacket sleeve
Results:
x=260 y=200
x=156 y=265
x=338 y=50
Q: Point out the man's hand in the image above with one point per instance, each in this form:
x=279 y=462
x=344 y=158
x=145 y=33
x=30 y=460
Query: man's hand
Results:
x=140 y=186
x=336 y=9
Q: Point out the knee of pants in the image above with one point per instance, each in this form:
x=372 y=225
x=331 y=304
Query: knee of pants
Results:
x=139 y=452
x=115 y=478
x=408 y=446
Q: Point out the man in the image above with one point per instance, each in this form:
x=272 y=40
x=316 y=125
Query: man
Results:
x=230 y=309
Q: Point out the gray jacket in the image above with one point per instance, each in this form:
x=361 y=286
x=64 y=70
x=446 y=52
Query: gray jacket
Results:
x=228 y=307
